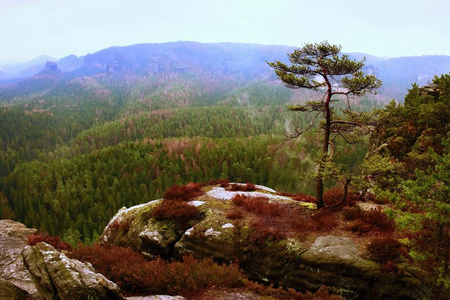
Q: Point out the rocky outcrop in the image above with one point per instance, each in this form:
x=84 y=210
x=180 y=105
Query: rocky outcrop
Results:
x=132 y=228
x=58 y=277
x=337 y=263
x=14 y=277
x=300 y=263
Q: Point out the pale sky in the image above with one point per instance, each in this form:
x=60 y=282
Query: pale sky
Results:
x=389 y=28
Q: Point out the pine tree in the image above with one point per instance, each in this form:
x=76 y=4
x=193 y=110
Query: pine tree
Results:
x=319 y=67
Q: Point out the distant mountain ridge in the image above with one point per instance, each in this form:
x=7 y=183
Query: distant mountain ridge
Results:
x=25 y=69
x=246 y=61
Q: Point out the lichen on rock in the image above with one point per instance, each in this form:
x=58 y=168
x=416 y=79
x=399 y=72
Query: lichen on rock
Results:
x=58 y=277
x=303 y=262
x=13 y=238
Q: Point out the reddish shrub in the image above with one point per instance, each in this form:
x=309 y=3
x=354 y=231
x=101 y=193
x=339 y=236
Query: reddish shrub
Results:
x=119 y=264
x=137 y=276
x=190 y=277
x=248 y=187
x=234 y=215
x=121 y=224
x=373 y=220
x=379 y=220
x=222 y=182
x=274 y=220
x=263 y=230
x=55 y=241
x=334 y=196
x=300 y=197
x=384 y=249
x=323 y=221
x=178 y=211
x=259 y=205
x=353 y=214
x=239 y=199
x=184 y=192
x=304 y=198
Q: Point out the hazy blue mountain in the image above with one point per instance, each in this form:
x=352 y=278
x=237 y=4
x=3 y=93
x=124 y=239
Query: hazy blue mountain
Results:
x=26 y=69
x=399 y=73
x=220 y=61
x=181 y=57
x=70 y=63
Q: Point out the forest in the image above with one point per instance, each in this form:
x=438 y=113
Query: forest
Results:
x=73 y=156
x=68 y=163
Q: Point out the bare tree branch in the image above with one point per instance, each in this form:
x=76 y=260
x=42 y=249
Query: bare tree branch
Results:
x=298 y=132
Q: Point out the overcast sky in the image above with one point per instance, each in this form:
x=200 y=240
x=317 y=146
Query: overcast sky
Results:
x=390 y=28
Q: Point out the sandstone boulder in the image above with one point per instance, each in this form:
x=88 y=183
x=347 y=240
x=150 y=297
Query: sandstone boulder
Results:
x=58 y=277
x=302 y=263
x=13 y=238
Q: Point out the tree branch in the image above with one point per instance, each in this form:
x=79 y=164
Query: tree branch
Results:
x=347 y=122
x=332 y=149
x=298 y=132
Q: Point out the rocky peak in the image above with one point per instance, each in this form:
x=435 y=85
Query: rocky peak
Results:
x=51 y=66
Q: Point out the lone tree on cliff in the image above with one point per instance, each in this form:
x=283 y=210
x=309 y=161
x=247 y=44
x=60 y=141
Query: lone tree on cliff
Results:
x=319 y=67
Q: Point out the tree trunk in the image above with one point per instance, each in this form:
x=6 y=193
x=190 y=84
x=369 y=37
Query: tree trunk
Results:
x=319 y=192
x=326 y=140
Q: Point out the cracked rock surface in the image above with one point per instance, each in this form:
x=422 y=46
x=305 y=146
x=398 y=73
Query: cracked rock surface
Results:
x=13 y=274
x=58 y=277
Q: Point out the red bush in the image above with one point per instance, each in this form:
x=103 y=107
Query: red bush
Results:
x=300 y=197
x=259 y=205
x=275 y=221
x=353 y=214
x=248 y=187
x=239 y=199
x=137 y=276
x=263 y=230
x=178 y=211
x=55 y=241
x=384 y=249
x=323 y=221
x=222 y=182
x=184 y=192
x=373 y=221
x=234 y=215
